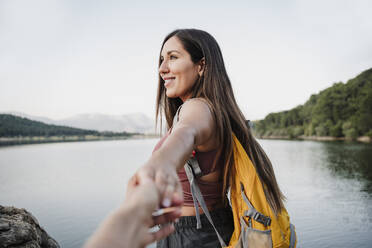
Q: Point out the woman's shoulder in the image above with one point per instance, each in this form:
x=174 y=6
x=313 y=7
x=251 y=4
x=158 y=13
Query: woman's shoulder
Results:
x=197 y=104
x=199 y=100
x=197 y=113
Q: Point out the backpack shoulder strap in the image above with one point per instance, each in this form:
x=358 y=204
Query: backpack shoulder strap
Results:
x=198 y=197
x=176 y=116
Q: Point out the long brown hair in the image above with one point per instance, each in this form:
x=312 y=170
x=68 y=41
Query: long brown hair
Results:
x=215 y=87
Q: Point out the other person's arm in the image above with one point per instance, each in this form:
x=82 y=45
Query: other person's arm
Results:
x=129 y=225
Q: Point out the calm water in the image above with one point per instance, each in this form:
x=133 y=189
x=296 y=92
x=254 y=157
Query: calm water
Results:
x=70 y=187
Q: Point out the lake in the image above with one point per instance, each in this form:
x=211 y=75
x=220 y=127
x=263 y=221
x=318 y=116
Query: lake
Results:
x=71 y=187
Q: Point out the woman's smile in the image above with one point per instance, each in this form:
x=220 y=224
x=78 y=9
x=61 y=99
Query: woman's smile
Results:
x=168 y=81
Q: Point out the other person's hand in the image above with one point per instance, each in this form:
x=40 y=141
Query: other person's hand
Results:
x=129 y=225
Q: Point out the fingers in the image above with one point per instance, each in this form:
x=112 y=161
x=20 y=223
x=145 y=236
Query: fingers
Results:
x=161 y=181
x=175 y=193
x=166 y=181
x=168 y=195
x=177 y=199
x=147 y=196
x=167 y=217
x=166 y=226
x=163 y=232
x=168 y=184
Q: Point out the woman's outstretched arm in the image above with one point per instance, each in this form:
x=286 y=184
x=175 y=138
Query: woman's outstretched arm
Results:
x=195 y=128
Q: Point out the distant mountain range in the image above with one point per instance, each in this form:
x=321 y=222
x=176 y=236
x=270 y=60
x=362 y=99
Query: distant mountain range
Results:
x=133 y=123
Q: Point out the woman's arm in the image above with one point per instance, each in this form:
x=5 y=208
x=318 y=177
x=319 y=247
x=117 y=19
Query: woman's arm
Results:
x=195 y=128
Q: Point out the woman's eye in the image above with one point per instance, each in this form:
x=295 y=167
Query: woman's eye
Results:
x=172 y=57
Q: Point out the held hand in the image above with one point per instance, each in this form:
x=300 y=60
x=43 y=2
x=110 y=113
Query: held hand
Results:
x=146 y=197
x=129 y=225
x=167 y=183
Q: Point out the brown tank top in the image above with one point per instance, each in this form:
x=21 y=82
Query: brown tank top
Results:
x=211 y=191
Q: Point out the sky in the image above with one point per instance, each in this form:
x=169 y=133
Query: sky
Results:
x=68 y=57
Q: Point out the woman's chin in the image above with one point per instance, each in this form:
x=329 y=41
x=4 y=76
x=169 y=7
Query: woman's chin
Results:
x=170 y=94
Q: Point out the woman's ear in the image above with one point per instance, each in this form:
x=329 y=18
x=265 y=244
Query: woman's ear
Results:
x=201 y=66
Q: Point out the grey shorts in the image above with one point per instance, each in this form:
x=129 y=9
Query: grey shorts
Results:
x=186 y=235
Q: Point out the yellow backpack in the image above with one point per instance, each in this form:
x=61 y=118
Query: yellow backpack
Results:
x=255 y=224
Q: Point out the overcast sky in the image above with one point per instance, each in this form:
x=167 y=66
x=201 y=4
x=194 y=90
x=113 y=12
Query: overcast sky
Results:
x=61 y=58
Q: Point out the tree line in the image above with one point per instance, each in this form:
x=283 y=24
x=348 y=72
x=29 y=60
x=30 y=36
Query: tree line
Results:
x=14 y=126
x=343 y=110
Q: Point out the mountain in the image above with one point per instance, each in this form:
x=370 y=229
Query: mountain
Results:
x=342 y=110
x=134 y=123
x=116 y=123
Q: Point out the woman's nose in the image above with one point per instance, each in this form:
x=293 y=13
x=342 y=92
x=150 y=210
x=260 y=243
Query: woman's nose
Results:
x=163 y=69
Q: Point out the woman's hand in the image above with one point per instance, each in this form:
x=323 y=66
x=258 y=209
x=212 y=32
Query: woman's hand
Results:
x=167 y=183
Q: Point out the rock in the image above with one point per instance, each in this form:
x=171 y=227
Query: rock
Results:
x=19 y=228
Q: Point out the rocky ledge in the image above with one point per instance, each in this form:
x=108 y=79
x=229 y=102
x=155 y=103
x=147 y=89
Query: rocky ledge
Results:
x=19 y=228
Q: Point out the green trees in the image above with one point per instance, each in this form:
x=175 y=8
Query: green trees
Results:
x=11 y=126
x=14 y=126
x=343 y=110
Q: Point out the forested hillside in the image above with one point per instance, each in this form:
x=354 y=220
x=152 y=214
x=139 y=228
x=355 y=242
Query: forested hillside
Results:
x=11 y=126
x=343 y=110
x=16 y=130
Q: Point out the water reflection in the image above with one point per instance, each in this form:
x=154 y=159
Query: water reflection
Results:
x=70 y=187
x=350 y=160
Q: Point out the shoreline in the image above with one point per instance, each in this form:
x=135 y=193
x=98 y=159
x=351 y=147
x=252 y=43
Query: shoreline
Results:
x=13 y=141
x=362 y=139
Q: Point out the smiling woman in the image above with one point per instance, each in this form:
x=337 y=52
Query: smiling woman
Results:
x=204 y=122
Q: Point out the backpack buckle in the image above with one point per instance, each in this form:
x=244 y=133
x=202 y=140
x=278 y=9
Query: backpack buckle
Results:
x=195 y=167
x=264 y=220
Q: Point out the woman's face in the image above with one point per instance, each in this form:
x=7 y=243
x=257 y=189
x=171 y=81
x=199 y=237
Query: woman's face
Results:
x=177 y=69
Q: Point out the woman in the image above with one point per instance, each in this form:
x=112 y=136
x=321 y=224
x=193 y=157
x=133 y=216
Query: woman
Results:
x=194 y=84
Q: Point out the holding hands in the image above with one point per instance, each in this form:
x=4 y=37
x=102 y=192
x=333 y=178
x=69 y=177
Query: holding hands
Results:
x=166 y=181
x=129 y=225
